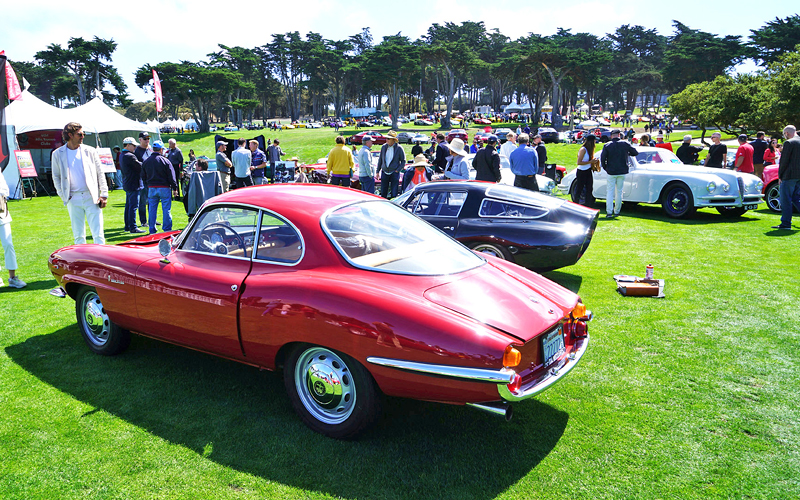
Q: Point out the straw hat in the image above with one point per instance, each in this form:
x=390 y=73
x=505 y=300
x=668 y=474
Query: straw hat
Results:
x=391 y=135
x=457 y=147
x=420 y=161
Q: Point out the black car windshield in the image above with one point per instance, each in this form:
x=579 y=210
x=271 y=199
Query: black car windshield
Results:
x=381 y=236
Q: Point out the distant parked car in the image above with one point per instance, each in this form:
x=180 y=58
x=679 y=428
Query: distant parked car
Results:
x=603 y=134
x=420 y=139
x=377 y=137
x=546 y=184
x=406 y=137
x=231 y=128
x=364 y=123
x=457 y=133
x=314 y=125
x=483 y=121
x=501 y=134
x=423 y=122
x=548 y=134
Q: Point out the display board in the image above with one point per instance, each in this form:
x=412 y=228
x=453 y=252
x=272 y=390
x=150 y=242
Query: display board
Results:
x=106 y=160
x=25 y=161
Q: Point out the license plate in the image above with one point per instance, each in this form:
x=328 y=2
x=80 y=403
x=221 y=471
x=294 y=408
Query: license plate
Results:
x=552 y=346
x=751 y=207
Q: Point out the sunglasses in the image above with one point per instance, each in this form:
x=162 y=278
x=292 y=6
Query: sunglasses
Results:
x=79 y=134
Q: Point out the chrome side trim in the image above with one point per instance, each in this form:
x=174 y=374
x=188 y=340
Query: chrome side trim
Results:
x=502 y=376
x=545 y=382
x=501 y=409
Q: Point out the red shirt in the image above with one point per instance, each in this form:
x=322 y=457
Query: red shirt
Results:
x=769 y=157
x=665 y=145
x=745 y=151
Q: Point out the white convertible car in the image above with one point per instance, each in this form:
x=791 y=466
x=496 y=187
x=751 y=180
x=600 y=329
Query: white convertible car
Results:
x=658 y=176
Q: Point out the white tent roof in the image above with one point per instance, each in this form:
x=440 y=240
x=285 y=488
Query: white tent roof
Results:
x=31 y=113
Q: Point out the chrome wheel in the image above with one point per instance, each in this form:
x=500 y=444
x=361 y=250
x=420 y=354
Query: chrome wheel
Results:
x=94 y=321
x=773 y=197
x=493 y=250
x=324 y=385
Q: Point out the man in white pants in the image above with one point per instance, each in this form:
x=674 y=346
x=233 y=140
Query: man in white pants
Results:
x=80 y=183
x=614 y=160
x=5 y=238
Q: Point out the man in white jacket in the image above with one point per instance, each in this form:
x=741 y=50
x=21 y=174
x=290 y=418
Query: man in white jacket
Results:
x=80 y=183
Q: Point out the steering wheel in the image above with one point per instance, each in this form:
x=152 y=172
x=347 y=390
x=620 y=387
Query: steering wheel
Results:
x=206 y=240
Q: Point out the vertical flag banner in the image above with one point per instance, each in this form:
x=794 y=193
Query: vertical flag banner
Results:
x=14 y=91
x=157 y=88
x=3 y=139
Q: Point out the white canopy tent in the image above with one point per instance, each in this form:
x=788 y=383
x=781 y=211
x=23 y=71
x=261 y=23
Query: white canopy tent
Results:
x=517 y=108
x=31 y=114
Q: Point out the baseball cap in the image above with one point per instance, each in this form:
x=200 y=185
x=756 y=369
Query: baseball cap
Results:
x=221 y=143
x=491 y=138
x=615 y=131
x=743 y=137
x=144 y=135
x=158 y=145
x=128 y=140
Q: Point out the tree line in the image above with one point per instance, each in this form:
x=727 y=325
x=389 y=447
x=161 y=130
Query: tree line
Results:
x=463 y=65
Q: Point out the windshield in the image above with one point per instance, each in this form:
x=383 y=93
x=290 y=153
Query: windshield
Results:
x=662 y=156
x=380 y=236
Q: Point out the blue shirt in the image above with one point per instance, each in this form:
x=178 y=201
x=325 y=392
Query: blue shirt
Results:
x=258 y=159
x=524 y=160
x=241 y=162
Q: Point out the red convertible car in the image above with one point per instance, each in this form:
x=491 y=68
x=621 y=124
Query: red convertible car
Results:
x=351 y=296
x=377 y=138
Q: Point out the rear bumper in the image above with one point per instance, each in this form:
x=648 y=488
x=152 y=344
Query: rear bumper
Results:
x=550 y=378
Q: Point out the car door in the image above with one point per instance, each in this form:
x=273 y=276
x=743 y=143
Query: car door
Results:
x=439 y=207
x=192 y=297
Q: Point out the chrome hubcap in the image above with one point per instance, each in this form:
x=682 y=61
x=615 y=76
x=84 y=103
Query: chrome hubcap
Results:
x=488 y=249
x=95 y=321
x=324 y=385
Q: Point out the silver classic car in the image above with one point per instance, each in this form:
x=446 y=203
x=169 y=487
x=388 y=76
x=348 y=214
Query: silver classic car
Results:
x=658 y=176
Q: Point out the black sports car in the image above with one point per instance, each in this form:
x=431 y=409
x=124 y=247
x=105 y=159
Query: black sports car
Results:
x=531 y=229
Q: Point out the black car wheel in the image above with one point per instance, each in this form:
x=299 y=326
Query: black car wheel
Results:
x=677 y=201
x=333 y=394
x=773 y=197
x=492 y=249
x=100 y=333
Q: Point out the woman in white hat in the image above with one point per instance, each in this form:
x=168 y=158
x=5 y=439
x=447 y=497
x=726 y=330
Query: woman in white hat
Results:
x=417 y=173
x=457 y=168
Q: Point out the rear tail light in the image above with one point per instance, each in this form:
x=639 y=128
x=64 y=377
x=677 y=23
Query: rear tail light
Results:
x=579 y=329
x=515 y=384
x=579 y=311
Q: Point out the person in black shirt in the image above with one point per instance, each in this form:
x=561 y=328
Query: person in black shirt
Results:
x=759 y=146
x=541 y=152
x=717 y=153
x=442 y=152
x=687 y=153
x=487 y=162
x=416 y=150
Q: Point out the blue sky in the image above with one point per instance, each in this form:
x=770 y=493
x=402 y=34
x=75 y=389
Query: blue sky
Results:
x=183 y=30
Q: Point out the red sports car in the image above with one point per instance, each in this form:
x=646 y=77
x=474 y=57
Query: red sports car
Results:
x=458 y=133
x=351 y=296
x=377 y=137
x=771 y=192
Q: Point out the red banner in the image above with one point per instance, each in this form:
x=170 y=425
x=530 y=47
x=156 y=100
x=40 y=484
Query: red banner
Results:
x=157 y=88
x=14 y=91
x=40 y=139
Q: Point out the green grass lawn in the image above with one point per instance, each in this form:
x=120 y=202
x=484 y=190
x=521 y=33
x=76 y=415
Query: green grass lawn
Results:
x=690 y=396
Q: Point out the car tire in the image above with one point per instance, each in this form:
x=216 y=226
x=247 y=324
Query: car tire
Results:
x=677 y=201
x=333 y=393
x=494 y=250
x=772 y=197
x=101 y=334
x=732 y=211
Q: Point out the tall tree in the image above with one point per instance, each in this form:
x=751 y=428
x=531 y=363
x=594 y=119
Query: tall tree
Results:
x=776 y=38
x=393 y=65
x=286 y=53
x=88 y=63
x=697 y=56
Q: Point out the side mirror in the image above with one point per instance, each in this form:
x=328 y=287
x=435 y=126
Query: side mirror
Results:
x=165 y=248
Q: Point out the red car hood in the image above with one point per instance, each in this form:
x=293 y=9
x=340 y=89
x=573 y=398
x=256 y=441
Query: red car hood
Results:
x=522 y=305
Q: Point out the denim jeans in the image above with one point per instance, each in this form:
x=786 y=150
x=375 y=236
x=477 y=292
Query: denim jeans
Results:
x=131 y=206
x=789 y=194
x=340 y=181
x=389 y=184
x=164 y=195
x=367 y=183
x=143 y=205
x=258 y=181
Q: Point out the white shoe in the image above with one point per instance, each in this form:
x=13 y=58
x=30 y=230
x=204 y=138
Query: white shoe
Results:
x=16 y=283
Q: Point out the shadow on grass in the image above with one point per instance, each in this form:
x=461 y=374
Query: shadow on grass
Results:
x=32 y=285
x=241 y=418
x=655 y=212
x=571 y=282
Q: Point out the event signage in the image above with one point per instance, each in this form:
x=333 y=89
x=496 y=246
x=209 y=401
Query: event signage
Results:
x=25 y=163
x=106 y=160
x=40 y=139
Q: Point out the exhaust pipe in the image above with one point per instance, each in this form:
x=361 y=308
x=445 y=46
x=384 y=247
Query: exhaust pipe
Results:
x=502 y=409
